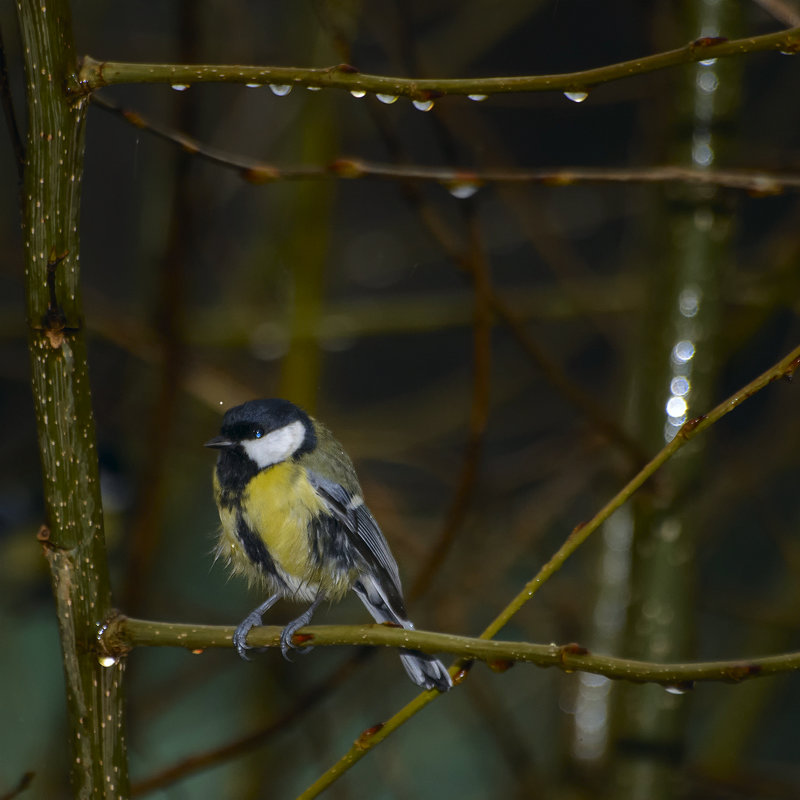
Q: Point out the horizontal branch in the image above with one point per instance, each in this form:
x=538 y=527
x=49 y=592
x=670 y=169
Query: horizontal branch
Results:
x=95 y=74
x=460 y=181
x=123 y=633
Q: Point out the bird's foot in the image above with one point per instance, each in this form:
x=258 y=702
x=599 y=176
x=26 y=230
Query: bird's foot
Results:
x=252 y=620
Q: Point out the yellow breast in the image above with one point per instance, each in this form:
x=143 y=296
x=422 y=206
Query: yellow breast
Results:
x=278 y=504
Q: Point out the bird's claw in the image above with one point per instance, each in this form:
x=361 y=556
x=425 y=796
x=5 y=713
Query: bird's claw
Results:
x=251 y=621
x=241 y=648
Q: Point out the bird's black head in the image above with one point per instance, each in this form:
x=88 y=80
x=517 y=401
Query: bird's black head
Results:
x=260 y=433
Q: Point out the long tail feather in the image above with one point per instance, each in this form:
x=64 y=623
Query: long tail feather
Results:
x=426 y=671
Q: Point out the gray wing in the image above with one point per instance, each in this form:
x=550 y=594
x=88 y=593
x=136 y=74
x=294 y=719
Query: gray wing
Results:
x=365 y=535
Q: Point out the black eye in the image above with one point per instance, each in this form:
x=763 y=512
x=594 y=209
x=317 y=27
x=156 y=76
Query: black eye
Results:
x=258 y=433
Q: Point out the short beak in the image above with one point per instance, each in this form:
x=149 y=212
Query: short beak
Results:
x=219 y=442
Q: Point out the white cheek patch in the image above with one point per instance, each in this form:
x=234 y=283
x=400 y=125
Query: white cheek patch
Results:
x=276 y=446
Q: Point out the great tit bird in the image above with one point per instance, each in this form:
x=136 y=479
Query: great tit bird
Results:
x=294 y=521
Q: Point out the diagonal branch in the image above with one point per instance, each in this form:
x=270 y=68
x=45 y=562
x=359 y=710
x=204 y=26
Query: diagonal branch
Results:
x=782 y=11
x=785 y=368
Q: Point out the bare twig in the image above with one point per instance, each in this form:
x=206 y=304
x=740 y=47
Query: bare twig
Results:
x=760 y=182
x=95 y=74
x=23 y=783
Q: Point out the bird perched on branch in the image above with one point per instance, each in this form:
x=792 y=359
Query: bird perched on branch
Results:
x=294 y=521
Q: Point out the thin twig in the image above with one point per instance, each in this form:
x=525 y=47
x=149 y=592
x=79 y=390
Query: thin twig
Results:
x=22 y=785
x=759 y=182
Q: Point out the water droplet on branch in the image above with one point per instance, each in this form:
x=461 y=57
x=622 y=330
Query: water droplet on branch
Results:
x=280 y=89
x=679 y=688
x=462 y=189
x=577 y=96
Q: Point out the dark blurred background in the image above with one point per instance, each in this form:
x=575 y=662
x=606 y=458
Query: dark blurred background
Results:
x=628 y=308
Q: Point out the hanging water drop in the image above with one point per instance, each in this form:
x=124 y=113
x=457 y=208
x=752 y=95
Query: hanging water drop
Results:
x=252 y=85
x=359 y=93
x=478 y=98
x=314 y=88
x=280 y=89
x=679 y=688
x=180 y=87
x=462 y=189
x=387 y=98
x=107 y=661
x=576 y=96
x=422 y=105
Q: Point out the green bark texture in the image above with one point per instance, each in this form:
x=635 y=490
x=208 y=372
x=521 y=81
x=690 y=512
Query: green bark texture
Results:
x=73 y=539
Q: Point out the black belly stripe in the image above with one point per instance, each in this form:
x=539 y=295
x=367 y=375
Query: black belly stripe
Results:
x=255 y=549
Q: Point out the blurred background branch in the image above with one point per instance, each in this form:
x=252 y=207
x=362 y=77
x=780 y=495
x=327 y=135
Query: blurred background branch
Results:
x=459 y=179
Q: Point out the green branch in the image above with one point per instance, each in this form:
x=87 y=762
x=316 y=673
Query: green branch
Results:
x=124 y=633
x=95 y=74
x=73 y=538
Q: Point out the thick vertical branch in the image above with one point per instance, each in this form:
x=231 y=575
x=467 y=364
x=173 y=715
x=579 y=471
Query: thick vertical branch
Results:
x=73 y=539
